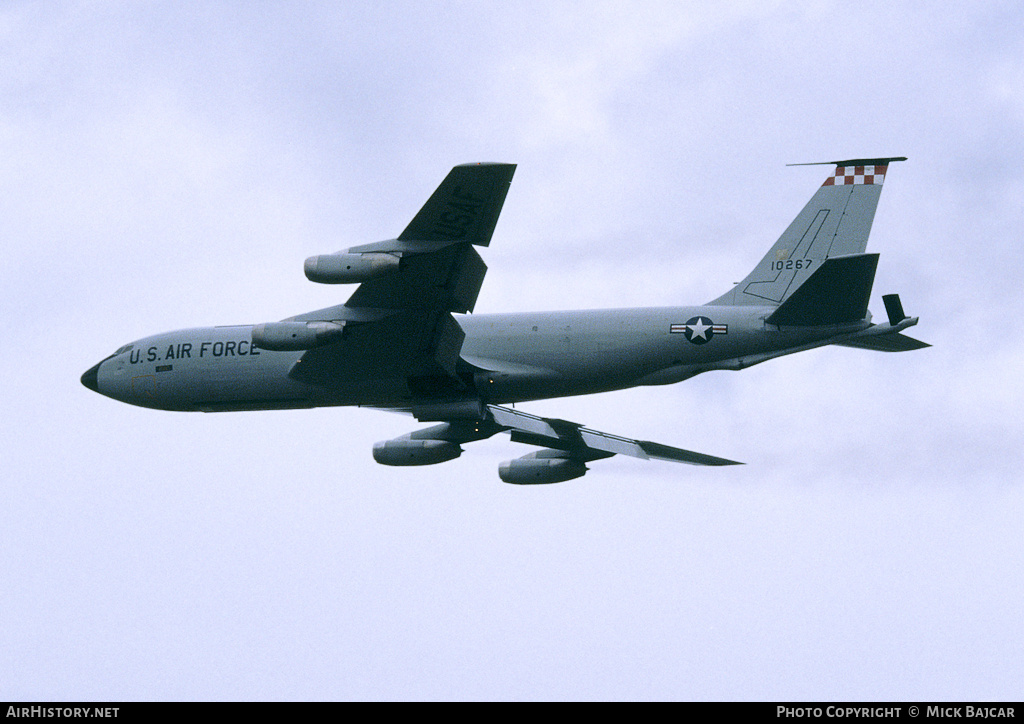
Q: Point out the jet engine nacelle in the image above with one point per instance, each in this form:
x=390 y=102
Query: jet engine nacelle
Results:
x=348 y=268
x=541 y=468
x=284 y=336
x=404 y=451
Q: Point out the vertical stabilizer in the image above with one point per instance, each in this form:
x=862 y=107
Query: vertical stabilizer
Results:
x=835 y=222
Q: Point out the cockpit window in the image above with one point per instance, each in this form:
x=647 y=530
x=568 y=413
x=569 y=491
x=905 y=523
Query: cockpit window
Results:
x=122 y=350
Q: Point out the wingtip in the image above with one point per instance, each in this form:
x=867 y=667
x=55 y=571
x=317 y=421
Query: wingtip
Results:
x=674 y=454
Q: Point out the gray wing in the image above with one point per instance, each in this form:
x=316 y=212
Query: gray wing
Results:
x=399 y=326
x=439 y=269
x=584 y=444
x=470 y=421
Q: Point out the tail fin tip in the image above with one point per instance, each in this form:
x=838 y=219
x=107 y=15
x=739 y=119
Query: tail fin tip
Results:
x=836 y=222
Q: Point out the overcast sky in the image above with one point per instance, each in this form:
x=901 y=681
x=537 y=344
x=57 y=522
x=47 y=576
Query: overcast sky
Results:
x=170 y=164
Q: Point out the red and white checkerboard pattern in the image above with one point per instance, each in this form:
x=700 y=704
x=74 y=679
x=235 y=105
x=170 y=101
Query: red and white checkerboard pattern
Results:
x=852 y=175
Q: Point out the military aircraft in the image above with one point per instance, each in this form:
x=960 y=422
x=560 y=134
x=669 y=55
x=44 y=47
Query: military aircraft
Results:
x=405 y=340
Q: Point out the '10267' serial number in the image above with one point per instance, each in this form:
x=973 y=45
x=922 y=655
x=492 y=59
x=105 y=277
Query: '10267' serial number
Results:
x=792 y=264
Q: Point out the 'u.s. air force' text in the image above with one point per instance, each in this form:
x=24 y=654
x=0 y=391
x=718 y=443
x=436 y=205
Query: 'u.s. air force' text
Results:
x=186 y=350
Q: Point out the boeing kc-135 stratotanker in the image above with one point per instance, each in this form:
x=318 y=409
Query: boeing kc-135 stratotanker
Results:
x=405 y=339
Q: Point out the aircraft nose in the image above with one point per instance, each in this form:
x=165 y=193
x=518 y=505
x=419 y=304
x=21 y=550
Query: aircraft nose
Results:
x=89 y=378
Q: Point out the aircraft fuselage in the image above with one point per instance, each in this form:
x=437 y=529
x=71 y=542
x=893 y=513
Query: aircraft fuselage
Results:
x=404 y=339
x=508 y=358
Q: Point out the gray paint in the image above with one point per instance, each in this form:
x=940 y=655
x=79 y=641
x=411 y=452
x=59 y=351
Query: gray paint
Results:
x=399 y=343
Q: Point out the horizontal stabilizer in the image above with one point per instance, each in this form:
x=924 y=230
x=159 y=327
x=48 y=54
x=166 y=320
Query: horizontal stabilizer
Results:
x=886 y=343
x=854 y=162
x=836 y=293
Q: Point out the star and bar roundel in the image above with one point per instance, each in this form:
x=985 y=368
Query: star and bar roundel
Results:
x=699 y=330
